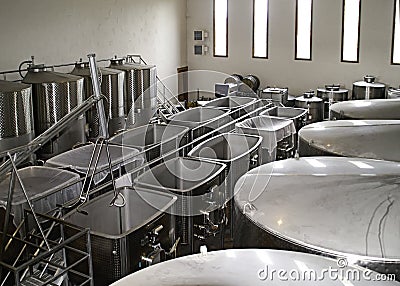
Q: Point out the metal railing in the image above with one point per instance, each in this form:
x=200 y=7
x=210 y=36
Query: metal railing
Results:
x=22 y=153
x=249 y=110
x=164 y=94
x=34 y=264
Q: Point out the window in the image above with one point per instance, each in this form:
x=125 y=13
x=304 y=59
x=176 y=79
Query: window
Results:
x=220 y=28
x=351 y=30
x=303 y=29
x=260 y=29
x=396 y=34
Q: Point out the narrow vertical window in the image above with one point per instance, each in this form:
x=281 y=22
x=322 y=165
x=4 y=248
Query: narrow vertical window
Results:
x=220 y=28
x=396 y=34
x=260 y=29
x=351 y=30
x=303 y=29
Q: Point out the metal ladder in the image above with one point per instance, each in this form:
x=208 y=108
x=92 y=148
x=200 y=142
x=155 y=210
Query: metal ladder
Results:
x=168 y=103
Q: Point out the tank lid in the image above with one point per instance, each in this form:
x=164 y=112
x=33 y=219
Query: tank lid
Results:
x=368 y=84
x=117 y=61
x=37 y=68
x=369 y=78
x=83 y=69
x=332 y=87
x=309 y=94
x=81 y=64
x=10 y=86
x=38 y=77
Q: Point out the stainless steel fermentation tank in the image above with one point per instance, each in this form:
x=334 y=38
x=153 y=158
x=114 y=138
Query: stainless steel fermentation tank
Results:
x=16 y=119
x=332 y=94
x=278 y=95
x=325 y=196
x=368 y=89
x=112 y=87
x=199 y=186
x=374 y=139
x=127 y=238
x=140 y=96
x=54 y=95
x=313 y=104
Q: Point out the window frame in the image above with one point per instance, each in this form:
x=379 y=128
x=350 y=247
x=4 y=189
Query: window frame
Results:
x=227 y=30
x=393 y=33
x=359 y=35
x=297 y=29
x=267 y=31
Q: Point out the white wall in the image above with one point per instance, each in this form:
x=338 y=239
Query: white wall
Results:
x=59 y=31
x=281 y=69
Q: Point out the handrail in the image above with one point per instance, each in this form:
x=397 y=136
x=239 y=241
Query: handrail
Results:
x=130 y=57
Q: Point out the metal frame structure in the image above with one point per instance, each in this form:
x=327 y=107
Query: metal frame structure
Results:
x=41 y=238
x=38 y=259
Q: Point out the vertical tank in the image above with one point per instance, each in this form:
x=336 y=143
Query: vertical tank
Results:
x=112 y=87
x=369 y=89
x=140 y=91
x=313 y=104
x=16 y=119
x=331 y=94
x=54 y=95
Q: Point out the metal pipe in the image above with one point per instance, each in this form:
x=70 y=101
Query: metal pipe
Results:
x=103 y=129
x=28 y=201
x=46 y=67
x=255 y=112
x=24 y=152
x=7 y=218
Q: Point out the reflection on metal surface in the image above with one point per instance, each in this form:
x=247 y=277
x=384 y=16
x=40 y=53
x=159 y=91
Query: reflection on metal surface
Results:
x=198 y=183
x=115 y=230
x=140 y=91
x=55 y=95
x=252 y=267
x=112 y=87
x=16 y=117
x=375 y=139
x=350 y=211
x=368 y=89
x=367 y=109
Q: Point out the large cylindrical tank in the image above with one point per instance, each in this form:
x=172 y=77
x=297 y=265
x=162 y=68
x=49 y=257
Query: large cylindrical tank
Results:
x=313 y=104
x=140 y=91
x=16 y=119
x=368 y=89
x=331 y=94
x=112 y=87
x=54 y=95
